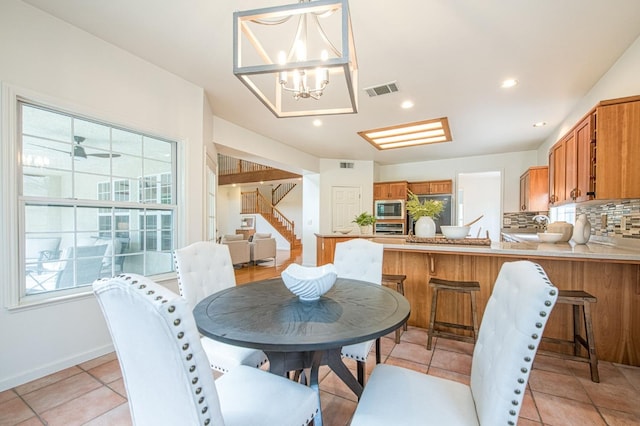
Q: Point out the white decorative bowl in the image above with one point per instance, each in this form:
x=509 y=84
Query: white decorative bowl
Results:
x=309 y=283
x=455 y=232
x=345 y=230
x=550 y=237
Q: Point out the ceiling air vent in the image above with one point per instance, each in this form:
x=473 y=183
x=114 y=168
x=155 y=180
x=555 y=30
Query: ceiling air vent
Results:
x=382 y=89
x=345 y=165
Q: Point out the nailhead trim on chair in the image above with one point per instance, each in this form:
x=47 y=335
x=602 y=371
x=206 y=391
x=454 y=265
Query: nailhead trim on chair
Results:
x=180 y=335
x=535 y=338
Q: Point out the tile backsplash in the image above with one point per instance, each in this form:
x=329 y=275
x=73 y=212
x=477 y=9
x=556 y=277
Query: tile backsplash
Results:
x=612 y=219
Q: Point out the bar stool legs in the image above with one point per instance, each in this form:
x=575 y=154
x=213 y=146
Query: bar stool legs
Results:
x=578 y=298
x=398 y=281
x=469 y=287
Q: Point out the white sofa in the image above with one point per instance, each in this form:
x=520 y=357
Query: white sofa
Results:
x=263 y=246
x=238 y=248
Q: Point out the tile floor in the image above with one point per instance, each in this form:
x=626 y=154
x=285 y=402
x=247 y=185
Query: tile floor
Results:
x=559 y=393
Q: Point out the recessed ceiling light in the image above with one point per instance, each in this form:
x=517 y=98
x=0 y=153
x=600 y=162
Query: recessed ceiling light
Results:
x=509 y=83
x=411 y=134
x=540 y=124
x=317 y=123
x=407 y=104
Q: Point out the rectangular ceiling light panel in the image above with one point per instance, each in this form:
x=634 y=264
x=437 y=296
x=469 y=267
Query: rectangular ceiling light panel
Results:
x=411 y=134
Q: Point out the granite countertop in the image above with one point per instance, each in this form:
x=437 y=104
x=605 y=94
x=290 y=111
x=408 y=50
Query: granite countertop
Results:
x=593 y=250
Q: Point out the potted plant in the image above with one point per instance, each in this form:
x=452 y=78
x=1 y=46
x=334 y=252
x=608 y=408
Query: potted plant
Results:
x=424 y=213
x=365 y=221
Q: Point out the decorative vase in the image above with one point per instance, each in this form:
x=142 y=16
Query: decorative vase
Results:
x=425 y=227
x=581 y=230
x=366 y=229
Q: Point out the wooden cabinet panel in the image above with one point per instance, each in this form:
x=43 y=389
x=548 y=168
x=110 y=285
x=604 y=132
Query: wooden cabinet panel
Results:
x=618 y=151
x=431 y=187
x=390 y=190
x=419 y=188
x=557 y=188
x=585 y=177
x=534 y=189
x=441 y=187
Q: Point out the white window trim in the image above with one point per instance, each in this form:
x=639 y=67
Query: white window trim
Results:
x=10 y=259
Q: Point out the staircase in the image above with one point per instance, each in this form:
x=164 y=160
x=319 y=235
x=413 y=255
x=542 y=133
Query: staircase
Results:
x=255 y=203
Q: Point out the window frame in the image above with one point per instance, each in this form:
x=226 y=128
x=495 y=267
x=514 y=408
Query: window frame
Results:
x=12 y=213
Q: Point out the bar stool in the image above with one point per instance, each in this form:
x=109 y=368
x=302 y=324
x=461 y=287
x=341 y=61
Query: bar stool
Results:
x=578 y=298
x=398 y=281
x=468 y=287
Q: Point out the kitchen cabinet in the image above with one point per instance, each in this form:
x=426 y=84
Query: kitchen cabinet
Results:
x=390 y=190
x=597 y=158
x=617 y=149
x=431 y=187
x=534 y=189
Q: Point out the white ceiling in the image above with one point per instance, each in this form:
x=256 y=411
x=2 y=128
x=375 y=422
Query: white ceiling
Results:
x=448 y=56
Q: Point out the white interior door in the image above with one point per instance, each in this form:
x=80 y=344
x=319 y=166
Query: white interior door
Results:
x=345 y=205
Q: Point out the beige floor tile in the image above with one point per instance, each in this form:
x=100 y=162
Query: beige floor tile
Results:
x=47 y=380
x=14 y=411
x=7 y=395
x=63 y=391
x=412 y=352
x=118 y=386
x=607 y=371
x=411 y=365
x=93 y=363
x=550 y=363
x=558 y=385
x=119 y=416
x=557 y=411
x=455 y=346
x=415 y=335
x=528 y=409
x=614 y=397
x=631 y=373
x=84 y=408
x=526 y=422
x=107 y=372
x=336 y=411
x=32 y=421
x=619 y=418
x=452 y=361
x=333 y=385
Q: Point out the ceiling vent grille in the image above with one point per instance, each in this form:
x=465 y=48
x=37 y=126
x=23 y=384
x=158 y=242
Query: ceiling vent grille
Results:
x=382 y=89
x=346 y=165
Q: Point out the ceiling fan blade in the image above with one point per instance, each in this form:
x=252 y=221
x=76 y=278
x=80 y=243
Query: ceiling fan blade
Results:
x=104 y=155
x=79 y=151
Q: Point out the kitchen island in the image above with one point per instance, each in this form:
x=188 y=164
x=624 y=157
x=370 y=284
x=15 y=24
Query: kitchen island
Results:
x=610 y=273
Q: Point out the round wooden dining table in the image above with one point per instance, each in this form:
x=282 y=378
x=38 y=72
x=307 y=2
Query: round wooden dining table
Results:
x=297 y=334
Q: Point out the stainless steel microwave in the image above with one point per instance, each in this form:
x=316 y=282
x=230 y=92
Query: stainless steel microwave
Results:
x=389 y=209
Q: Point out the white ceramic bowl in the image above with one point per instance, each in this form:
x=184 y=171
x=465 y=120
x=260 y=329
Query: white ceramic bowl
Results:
x=345 y=230
x=549 y=237
x=455 y=232
x=309 y=283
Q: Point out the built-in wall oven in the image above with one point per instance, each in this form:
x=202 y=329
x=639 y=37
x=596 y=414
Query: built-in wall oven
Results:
x=389 y=228
x=389 y=209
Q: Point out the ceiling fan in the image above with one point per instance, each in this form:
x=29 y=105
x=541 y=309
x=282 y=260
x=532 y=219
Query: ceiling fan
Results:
x=79 y=151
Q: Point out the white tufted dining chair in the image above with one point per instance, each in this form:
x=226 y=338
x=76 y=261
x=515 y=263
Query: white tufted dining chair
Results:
x=509 y=335
x=204 y=268
x=360 y=259
x=165 y=369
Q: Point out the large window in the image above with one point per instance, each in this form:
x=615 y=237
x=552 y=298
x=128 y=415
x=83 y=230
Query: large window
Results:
x=94 y=200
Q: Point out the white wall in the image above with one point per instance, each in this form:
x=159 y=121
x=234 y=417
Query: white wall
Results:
x=512 y=165
x=310 y=217
x=332 y=175
x=45 y=58
x=620 y=81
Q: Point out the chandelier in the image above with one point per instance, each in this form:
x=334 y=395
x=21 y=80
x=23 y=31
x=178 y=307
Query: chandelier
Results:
x=298 y=59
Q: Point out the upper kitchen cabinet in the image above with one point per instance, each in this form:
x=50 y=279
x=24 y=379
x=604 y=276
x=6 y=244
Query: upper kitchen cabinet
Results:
x=390 y=190
x=617 y=150
x=597 y=159
x=534 y=189
x=431 y=187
